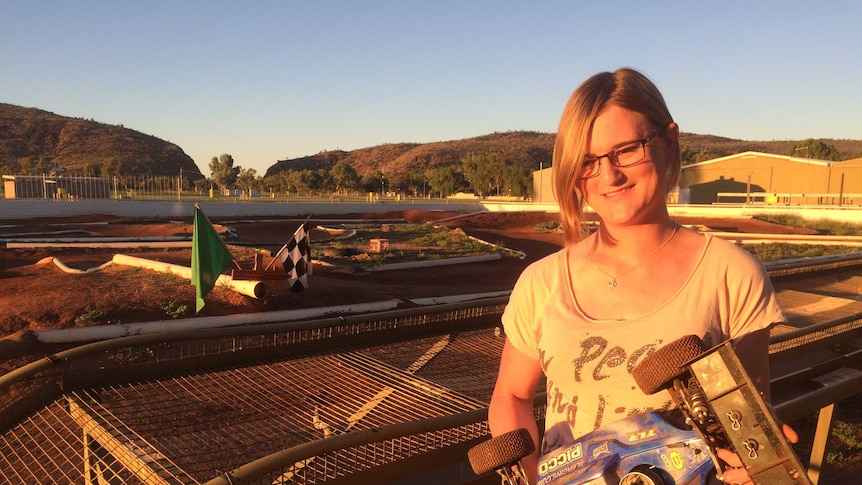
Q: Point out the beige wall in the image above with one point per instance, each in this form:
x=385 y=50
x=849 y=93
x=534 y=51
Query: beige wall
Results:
x=543 y=190
x=846 y=177
x=753 y=172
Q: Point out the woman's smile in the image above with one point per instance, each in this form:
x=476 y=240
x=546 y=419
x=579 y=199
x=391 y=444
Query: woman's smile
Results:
x=618 y=192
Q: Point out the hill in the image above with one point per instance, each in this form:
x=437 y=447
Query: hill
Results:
x=37 y=138
x=707 y=147
x=525 y=149
x=34 y=137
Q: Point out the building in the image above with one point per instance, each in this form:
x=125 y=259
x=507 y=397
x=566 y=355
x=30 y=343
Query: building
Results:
x=754 y=177
x=543 y=189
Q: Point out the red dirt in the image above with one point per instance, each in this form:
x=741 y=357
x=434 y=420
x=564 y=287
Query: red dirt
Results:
x=37 y=296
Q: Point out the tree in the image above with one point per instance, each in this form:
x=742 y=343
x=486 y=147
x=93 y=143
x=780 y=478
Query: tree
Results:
x=312 y=180
x=92 y=170
x=293 y=181
x=690 y=156
x=25 y=165
x=111 y=167
x=484 y=171
x=275 y=183
x=412 y=182
x=373 y=181
x=224 y=174
x=446 y=181
x=518 y=181
x=247 y=179
x=344 y=177
x=815 y=149
x=408 y=182
x=201 y=185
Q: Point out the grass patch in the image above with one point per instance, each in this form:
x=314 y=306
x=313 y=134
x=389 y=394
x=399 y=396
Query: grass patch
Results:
x=408 y=242
x=92 y=316
x=175 y=310
x=548 y=226
x=135 y=354
x=849 y=438
x=778 y=251
x=161 y=278
x=823 y=226
x=453 y=241
x=129 y=270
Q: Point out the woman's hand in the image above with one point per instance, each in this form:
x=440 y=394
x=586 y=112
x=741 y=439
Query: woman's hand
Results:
x=737 y=474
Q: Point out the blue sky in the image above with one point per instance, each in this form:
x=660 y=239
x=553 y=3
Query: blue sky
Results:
x=266 y=81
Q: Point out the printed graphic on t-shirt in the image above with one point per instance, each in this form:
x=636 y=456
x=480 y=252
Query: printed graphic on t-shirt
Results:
x=604 y=391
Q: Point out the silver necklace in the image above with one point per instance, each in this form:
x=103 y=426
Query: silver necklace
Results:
x=612 y=283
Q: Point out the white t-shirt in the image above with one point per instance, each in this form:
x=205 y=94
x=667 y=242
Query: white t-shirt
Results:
x=588 y=362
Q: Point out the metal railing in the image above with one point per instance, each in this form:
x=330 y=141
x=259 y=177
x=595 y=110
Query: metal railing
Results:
x=151 y=393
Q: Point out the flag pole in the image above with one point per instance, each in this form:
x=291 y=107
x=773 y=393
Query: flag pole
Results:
x=275 y=257
x=308 y=218
x=210 y=257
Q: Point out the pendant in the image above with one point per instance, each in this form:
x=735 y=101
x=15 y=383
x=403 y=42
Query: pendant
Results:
x=612 y=283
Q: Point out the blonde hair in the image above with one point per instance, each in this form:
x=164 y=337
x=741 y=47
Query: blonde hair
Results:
x=625 y=88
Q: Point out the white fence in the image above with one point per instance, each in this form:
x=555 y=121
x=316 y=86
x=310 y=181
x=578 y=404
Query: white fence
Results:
x=76 y=187
x=28 y=209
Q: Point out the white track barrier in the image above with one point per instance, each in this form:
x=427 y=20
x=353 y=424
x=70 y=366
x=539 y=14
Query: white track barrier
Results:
x=254 y=289
x=103 y=332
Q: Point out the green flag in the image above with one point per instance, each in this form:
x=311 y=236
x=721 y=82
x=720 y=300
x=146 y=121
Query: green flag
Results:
x=209 y=257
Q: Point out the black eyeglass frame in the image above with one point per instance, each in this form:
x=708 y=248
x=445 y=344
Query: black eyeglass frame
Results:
x=614 y=158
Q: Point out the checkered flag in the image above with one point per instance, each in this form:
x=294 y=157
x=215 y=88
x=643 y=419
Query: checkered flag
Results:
x=295 y=256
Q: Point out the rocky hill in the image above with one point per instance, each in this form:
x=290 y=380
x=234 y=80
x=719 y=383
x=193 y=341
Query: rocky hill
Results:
x=525 y=149
x=39 y=138
x=522 y=148
x=697 y=148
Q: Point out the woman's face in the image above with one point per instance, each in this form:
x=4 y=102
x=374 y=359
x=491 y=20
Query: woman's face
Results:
x=634 y=194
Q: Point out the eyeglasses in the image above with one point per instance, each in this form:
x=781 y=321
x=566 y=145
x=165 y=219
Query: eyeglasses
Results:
x=624 y=155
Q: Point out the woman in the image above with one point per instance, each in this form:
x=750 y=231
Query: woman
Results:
x=587 y=314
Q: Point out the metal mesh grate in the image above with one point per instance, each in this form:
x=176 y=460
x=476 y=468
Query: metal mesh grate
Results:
x=189 y=409
x=45 y=448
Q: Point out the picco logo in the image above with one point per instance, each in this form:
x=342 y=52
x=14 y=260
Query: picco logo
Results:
x=569 y=455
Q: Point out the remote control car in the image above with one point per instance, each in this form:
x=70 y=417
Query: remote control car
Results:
x=717 y=406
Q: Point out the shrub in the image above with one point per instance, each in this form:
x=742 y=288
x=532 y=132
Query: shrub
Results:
x=91 y=316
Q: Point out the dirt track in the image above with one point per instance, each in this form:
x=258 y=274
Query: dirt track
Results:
x=36 y=296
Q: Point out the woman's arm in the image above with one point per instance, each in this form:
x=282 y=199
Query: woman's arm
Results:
x=753 y=352
x=512 y=402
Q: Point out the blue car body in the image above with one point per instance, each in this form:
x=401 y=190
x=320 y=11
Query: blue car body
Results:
x=647 y=443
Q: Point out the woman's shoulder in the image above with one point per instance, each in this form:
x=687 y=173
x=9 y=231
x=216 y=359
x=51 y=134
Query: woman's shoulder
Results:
x=730 y=255
x=544 y=270
x=544 y=263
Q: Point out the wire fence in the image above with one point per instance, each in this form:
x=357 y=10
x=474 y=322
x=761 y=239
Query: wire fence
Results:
x=79 y=187
x=148 y=187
